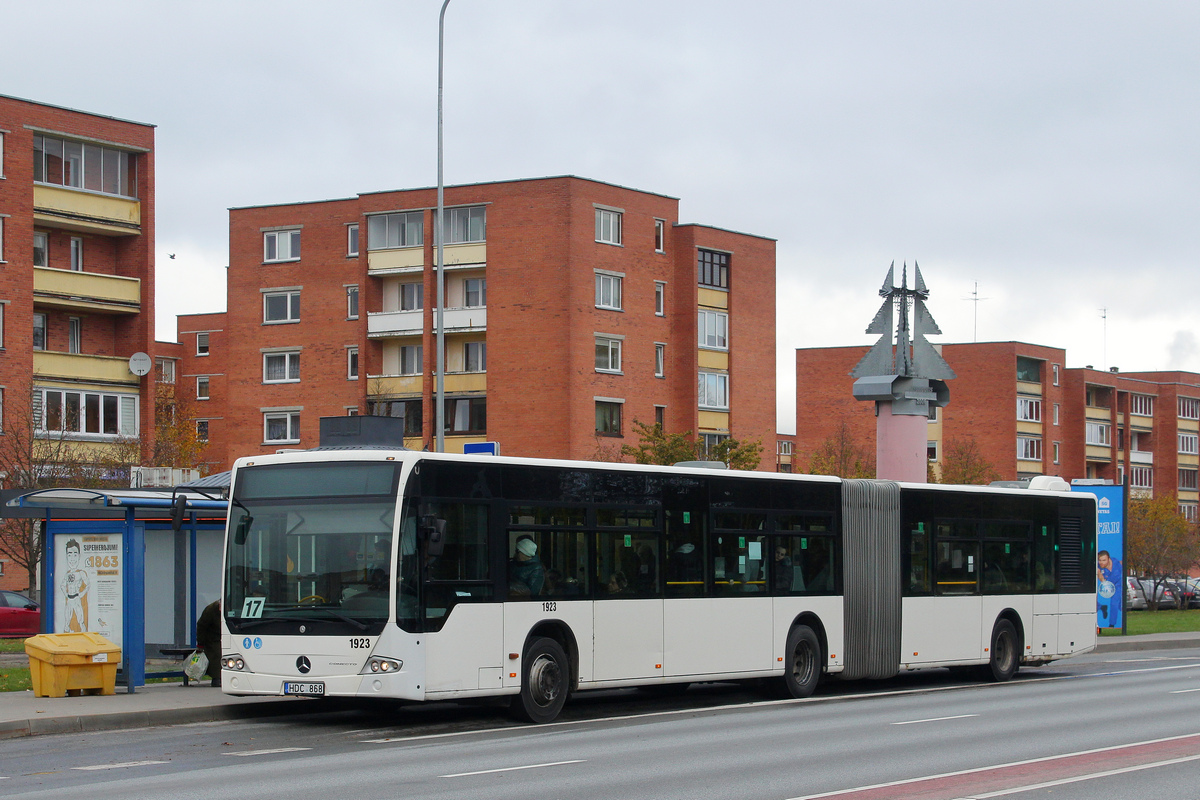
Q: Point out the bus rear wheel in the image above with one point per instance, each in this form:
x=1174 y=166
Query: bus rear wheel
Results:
x=801 y=663
x=1005 y=653
x=544 y=682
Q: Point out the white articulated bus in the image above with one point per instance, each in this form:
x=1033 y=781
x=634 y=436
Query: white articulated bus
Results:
x=426 y=576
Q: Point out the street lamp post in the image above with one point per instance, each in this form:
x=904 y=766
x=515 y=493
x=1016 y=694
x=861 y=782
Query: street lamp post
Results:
x=438 y=235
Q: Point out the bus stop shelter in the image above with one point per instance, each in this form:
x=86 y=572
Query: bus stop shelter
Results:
x=114 y=564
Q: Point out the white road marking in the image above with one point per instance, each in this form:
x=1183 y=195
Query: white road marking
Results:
x=513 y=769
x=1077 y=779
x=760 y=703
x=934 y=719
x=1184 y=691
x=975 y=770
x=121 y=766
x=267 y=752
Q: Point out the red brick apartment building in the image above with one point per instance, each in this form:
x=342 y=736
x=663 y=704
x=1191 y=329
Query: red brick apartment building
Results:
x=1030 y=416
x=76 y=274
x=573 y=307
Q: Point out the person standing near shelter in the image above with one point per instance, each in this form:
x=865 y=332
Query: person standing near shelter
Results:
x=208 y=639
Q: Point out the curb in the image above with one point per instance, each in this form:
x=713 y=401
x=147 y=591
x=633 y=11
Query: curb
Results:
x=121 y=720
x=1126 y=645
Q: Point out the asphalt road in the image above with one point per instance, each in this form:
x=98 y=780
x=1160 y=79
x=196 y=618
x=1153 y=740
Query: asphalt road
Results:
x=1113 y=725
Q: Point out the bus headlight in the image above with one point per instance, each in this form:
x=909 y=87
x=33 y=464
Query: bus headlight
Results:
x=233 y=662
x=378 y=664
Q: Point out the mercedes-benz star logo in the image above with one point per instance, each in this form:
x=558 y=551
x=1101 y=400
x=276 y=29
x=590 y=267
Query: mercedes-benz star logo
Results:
x=303 y=665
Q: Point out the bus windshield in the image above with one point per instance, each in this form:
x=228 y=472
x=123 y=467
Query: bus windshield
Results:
x=311 y=544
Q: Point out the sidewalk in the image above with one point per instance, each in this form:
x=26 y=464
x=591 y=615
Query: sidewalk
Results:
x=22 y=714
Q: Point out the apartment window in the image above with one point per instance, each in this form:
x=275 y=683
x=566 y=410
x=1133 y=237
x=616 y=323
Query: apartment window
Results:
x=3 y=312
x=660 y=235
x=281 y=427
x=709 y=442
x=608 y=354
x=1 y=176
x=74 y=335
x=1055 y=446
x=714 y=269
x=1189 y=408
x=351 y=302
x=352 y=363
x=1029 y=448
x=660 y=298
x=407 y=410
x=1054 y=370
x=412 y=296
x=166 y=370
x=281 y=306
x=351 y=411
x=1189 y=512
x=1029 y=370
x=39 y=331
x=466 y=415
x=201 y=344
x=386 y=231
x=1098 y=433
x=931 y=450
x=713 y=330
x=63 y=162
x=1141 y=404
x=784 y=448
x=202 y=388
x=410 y=359
x=660 y=360
x=1188 y=479
x=281 y=245
x=660 y=414
x=2 y=238
x=202 y=430
x=608 y=291
x=1189 y=444
x=87 y=412
x=1056 y=413
x=77 y=253
x=1141 y=477
x=714 y=390
x=608 y=226
x=281 y=367
x=1029 y=409
x=475 y=292
x=932 y=414
x=465 y=225
x=475 y=356
x=352 y=239
x=41 y=249
x=608 y=418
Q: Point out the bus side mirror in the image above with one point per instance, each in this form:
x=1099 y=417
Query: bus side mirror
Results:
x=178 y=512
x=433 y=530
x=242 y=530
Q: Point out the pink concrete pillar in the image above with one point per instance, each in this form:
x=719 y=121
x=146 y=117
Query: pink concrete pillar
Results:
x=900 y=445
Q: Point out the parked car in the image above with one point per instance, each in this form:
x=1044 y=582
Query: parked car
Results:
x=1135 y=596
x=1162 y=593
x=19 y=616
x=1187 y=593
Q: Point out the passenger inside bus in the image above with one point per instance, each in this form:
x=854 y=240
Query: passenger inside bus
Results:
x=526 y=575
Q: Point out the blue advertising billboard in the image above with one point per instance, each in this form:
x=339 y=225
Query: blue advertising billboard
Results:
x=1110 y=554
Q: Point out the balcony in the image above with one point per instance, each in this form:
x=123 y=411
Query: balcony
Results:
x=79 y=210
x=381 y=324
x=79 y=368
x=1141 y=457
x=86 y=291
x=396 y=260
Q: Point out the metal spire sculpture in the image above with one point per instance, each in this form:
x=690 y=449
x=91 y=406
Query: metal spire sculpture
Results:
x=914 y=356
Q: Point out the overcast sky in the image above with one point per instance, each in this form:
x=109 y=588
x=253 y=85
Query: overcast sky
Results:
x=1047 y=151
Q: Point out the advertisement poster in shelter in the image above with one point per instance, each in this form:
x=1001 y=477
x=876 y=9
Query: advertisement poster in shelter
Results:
x=1110 y=554
x=88 y=594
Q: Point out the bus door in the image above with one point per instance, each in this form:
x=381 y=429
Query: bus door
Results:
x=628 y=612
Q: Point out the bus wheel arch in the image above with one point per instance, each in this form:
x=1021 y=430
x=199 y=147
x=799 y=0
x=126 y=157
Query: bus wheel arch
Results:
x=545 y=681
x=561 y=633
x=803 y=658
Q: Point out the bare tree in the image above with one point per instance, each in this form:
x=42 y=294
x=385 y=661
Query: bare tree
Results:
x=842 y=456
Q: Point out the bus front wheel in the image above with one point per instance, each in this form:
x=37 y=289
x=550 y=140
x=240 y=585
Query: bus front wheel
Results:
x=801 y=662
x=1005 y=654
x=544 y=682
